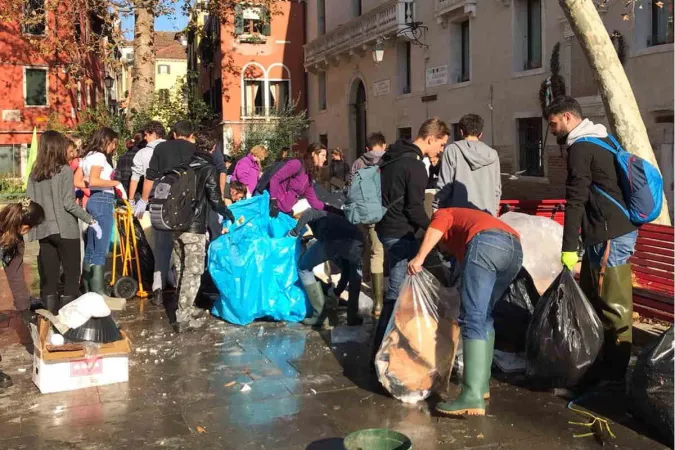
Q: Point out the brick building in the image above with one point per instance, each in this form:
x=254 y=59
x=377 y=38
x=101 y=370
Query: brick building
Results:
x=484 y=57
x=253 y=66
x=38 y=89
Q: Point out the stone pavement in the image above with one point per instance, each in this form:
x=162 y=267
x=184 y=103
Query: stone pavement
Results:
x=306 y=392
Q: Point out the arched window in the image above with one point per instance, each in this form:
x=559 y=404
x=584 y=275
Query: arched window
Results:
x=253 y=90
x=265 y=93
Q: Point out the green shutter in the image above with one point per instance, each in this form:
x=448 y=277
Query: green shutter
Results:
x=238 y=20
x=267 y=24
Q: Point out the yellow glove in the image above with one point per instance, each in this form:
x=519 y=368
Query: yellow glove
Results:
x=569 y=259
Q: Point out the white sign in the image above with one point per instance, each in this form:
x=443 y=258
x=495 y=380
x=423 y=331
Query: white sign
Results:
x=382 y=87
x=11 y=115
x=437 y=76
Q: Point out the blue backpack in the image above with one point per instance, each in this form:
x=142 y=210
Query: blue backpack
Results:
x=640 y=182
x=363 y=204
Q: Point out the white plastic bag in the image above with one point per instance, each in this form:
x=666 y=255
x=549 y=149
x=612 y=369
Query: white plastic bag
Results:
x=418 y=350
x=77 y=312
x=541 y=239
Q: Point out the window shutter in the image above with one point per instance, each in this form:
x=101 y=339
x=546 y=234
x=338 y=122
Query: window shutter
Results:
x=238 y=20
x=267 y=22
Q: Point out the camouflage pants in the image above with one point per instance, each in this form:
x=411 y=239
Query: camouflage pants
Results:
x=189 y=251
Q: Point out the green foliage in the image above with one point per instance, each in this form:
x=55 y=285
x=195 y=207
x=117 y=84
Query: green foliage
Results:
x=282 y=130
x=11 y=187
x=91 y=119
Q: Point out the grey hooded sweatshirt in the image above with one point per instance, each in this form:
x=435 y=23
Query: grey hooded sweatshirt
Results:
x=370 y=158
x=469 y=177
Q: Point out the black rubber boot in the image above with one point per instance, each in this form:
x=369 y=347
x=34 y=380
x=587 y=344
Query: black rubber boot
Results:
x=96 y=282
x=382 y=324
x=51 y=302
x=5 y=380
x=86 y=278
x=317 y=300
x=65 y=299
x=157 y=298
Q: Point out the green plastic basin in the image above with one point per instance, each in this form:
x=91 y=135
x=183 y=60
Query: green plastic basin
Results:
x=377 y=439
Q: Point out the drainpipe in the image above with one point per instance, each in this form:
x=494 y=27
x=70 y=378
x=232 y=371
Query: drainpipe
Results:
x=492 y=118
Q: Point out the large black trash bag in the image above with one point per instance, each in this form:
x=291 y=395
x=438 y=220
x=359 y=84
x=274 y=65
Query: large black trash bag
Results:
x=513 y=312
x=565 y=334
x=651 y=388
x=147 y=259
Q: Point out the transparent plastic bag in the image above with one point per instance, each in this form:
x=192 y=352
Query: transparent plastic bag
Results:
x=651 y=388
x=541 y=239
x=418 y=350
x=565 y=335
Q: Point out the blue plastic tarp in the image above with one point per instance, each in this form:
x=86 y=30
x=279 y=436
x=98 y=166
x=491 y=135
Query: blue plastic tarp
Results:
x=255 y=266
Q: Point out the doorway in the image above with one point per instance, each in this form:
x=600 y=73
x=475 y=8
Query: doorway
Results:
x=359 y=119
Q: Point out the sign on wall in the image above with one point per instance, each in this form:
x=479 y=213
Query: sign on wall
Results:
x=437 y=76
x=11 y=115
x=382 y=87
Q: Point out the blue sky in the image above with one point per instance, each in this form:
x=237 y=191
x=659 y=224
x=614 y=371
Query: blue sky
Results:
x=175 y=22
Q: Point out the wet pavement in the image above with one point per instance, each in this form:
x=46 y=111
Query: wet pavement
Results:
x=266 y=386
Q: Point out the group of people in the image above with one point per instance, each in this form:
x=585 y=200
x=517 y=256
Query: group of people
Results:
x=464 y=227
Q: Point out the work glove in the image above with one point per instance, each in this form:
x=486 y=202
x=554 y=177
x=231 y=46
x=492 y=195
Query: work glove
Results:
x=121 y=192
x=139 y=209
x=97 y=229
x=569 y=259
x=227 y=214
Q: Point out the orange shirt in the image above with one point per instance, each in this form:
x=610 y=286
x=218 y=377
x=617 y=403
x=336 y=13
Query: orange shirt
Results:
x=460 y=225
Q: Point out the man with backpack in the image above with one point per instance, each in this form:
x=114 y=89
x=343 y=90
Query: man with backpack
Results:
x=469 y=175
x=596 y=205
x=189 y=245
x=376 y=146
x=403 y=182
x=166 y=156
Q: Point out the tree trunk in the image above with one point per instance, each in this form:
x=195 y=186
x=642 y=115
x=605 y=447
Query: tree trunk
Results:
x=620 y=104
x=143 y=73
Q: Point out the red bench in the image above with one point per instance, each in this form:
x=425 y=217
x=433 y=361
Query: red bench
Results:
x=653 y=269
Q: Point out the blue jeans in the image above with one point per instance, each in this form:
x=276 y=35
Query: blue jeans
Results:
x=100 y=206
x=620 y=250
x=491 y=263
x=398 y=252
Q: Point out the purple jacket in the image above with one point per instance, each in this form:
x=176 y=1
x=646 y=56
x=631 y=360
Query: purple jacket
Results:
x=247 y=171
x=289 y=184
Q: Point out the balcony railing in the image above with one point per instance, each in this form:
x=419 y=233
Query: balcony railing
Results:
x=358 y=34
x=444 y=7
x=248 y=112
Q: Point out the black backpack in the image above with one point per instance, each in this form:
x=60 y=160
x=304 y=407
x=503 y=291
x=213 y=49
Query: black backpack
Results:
x=264 y=182
x=171 y=208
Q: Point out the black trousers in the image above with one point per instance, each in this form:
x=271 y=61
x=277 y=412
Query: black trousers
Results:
x=56 y=252
x=16 y=280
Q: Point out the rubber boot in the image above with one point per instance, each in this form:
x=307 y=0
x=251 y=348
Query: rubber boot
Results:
x=617 y=319
x=86 y=277
x=377 y=280
x=470 y=401
x=353 y=319
x=317 y=300
x=382 y=324
x=65 y=299
x=488 y=362
x=157 y=298
x=96 y=283
x=51 y=302
x=5 y=380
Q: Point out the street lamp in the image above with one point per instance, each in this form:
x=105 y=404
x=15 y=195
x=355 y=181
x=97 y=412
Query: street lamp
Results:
x=108 y=81
x=378 y=52
x=181 y=38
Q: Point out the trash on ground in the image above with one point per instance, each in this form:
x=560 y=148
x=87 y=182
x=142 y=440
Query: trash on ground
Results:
x=418 y=350
x=201 y=430
x=513 y=312
x=245 y=388
x=230 y=384
x=256 y=250
x=651 y=388
x=565 y=335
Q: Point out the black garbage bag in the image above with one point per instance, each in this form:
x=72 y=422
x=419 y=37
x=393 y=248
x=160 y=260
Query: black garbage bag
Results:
x=513 y=312
x=651 y=387
x=565 y=334
x=147 y=259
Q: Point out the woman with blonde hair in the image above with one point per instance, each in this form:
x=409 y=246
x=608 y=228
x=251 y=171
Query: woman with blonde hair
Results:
x=248 y=168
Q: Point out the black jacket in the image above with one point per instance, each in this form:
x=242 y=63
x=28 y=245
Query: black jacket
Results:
x=338 y=169
x=337 y=234
x=208 y=192
x=599 y=219
x=404 y=178
x=168 y=155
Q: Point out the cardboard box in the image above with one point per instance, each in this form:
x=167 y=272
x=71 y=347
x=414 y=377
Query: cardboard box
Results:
x=57 y=371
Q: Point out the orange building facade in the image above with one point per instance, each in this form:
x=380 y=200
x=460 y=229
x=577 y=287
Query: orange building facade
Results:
x=253 y=67
x=36 y=89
